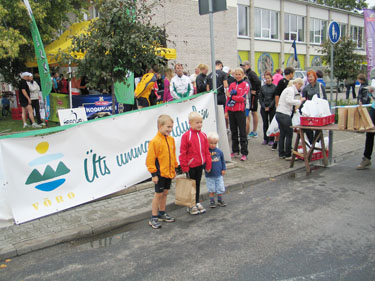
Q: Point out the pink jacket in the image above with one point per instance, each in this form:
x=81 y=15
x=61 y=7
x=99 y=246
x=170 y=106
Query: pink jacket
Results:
x=194 y=150
x=167 y=93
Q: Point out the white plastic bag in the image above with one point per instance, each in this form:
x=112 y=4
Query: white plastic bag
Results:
x=296 y=120
x=322 y=106
x=273 y=129
x=316 y=108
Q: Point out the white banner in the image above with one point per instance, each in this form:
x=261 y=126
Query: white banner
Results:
x=47 y=174
x=72 y=116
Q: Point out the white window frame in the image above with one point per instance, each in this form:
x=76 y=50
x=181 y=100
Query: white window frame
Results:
x=315 y=34
x=298 y=28
x=247 y=11
x=356 y=40
x=269 y=30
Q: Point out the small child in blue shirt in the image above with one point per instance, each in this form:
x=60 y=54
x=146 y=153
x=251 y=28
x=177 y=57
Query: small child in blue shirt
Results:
x=214 y=179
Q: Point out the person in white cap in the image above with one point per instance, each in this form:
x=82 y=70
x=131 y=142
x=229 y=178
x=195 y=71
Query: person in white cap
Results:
x=25 y=101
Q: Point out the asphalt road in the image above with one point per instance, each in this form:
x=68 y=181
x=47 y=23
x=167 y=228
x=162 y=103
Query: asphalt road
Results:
x=319 y=227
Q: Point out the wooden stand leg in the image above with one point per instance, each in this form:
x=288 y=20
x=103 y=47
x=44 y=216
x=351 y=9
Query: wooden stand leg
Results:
x=295 y=150
x=305 y=155
x=325 y=159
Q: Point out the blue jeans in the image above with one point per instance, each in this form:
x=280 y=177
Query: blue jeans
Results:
x=215 y=184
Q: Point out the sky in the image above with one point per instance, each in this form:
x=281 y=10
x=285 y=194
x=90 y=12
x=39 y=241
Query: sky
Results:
x=370 y=3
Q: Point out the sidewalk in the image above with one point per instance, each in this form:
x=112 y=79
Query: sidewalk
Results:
x=134 y=204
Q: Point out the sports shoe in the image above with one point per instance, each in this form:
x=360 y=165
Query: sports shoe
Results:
x=166 y=218
x=35 y=125
x=212 y=204
x=154 y=223
x=42 y=124
x=253 y=134
x=243 y=158
x=270 y=143
x=234 y=155
x=281 y=157
x=364 y=164
x=193 y=210
x=288 y=158
x=264 y=142
x=25 y=125
x=201 y=209
x=221 y=203
x=274 y=146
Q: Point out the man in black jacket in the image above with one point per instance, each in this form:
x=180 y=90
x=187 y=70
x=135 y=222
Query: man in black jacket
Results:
x=253 y=99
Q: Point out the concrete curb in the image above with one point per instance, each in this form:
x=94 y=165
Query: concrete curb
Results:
x=101 y=226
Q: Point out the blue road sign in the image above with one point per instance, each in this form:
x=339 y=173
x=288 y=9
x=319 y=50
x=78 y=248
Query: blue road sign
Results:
x=334 y=32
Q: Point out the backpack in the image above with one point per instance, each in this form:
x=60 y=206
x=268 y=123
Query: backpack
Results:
x=146 y=84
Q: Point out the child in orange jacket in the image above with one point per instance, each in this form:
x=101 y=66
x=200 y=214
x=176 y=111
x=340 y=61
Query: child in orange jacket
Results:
x=194 y=156
x=161 y=162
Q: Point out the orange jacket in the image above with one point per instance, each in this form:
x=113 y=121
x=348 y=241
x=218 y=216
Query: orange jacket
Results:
x=161 y=156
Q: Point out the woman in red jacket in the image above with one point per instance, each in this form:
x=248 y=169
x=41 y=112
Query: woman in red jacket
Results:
x=235 y=109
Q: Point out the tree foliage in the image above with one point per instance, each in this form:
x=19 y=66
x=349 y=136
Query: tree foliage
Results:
x=346 y=62
x=350 y=5
x=16 y=44
x=122 y=39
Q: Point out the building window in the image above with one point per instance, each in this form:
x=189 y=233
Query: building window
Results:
x=343 y=28
x=294 y=28
x=356 y=34
x=243 y=20
x=266 y=24
x=318 y=31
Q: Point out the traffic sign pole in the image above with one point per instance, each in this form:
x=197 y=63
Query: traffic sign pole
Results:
x=212 y=43
x=334 y=37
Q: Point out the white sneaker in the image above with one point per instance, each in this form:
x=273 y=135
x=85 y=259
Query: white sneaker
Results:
x=25 y=125
x=42 y=124
x=200 y=208
x=35 y=125
x=193 y=211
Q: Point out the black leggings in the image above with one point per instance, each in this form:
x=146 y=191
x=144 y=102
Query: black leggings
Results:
x=237 y=123
x=36 y=107
x=369 y=145
x=196 y=174
x=267 y=117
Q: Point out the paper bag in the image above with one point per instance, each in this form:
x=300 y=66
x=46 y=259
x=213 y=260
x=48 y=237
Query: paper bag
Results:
x=351 y=112
x=357 y=120
x=185 y=192
x=365 y=116
x=343 y=118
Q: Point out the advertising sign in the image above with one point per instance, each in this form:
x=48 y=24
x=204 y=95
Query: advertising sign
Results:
x=49 y=173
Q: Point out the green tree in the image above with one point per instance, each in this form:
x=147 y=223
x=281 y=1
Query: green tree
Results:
x=346 y=62
x=16 y=44
x=122 y=39
x=350 y=5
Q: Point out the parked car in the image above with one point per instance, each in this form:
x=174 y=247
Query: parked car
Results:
x=302 y=74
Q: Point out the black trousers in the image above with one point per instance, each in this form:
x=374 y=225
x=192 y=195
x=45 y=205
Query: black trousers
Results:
x=286 y=134
x=267 y=117
x=348 y=87
x=369 y=144
x=36 y=107
x=237 y=122
x=196 y=174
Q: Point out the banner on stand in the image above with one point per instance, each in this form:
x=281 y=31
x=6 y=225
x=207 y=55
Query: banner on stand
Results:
x=50 y=173
x=369 y=16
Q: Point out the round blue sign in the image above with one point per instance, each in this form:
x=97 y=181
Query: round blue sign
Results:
x=334 y=32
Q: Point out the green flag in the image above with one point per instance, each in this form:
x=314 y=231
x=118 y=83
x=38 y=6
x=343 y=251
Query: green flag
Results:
x=125 y=91
x=45 y=77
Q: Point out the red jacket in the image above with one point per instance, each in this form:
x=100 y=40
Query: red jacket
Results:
x=242 y=88
x=194 y=150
